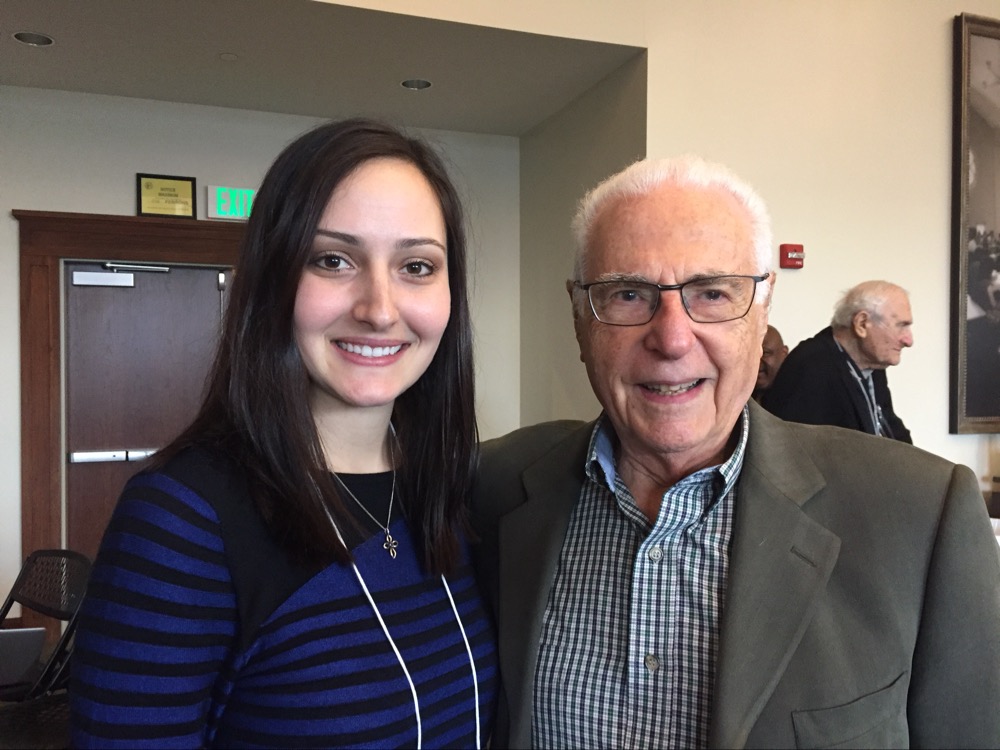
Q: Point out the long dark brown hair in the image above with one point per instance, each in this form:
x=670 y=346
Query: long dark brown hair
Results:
x=256 y=409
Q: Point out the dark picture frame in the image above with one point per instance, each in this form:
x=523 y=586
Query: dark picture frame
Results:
x=166 y=196
x=975 y=279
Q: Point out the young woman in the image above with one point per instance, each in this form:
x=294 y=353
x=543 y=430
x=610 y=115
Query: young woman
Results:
x=292 y=571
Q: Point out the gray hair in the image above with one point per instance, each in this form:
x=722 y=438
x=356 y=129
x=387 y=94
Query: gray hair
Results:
x=646 y=175
x=868 y=296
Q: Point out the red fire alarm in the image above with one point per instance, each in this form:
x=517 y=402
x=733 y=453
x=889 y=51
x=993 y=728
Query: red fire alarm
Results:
x=791 y=256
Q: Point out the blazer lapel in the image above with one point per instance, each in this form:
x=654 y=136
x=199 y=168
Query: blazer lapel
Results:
x=531 y=538
x=779 y=564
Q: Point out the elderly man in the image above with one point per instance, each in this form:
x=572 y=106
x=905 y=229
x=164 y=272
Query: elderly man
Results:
x=838 y=376
x=690 y=571
x=772 y=355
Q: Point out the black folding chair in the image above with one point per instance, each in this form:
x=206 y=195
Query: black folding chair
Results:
x=38 y=724
x=52 y=582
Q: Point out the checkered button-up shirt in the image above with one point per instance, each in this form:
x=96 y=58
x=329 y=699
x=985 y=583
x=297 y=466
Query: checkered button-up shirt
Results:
x=631 y=629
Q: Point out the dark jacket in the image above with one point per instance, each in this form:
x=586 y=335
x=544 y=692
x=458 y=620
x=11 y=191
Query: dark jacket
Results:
x=863 y=605
x=815 y=386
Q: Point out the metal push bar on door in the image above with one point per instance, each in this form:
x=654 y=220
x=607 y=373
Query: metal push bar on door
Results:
x=122 y=454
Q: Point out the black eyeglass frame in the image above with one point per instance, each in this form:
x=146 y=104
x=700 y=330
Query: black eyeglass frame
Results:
x=669 y=288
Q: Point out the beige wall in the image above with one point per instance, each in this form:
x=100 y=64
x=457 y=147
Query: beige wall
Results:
x=69 y=152
x=839 y=111
x=595 y=136
x=840 y=114
x=613 y=21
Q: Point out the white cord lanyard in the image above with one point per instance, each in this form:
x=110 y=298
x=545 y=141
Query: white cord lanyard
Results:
x=867 y=386
x=468 y=650
x=399 y=656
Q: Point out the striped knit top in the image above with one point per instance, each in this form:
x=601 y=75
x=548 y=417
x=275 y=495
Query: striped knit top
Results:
x=197 y=631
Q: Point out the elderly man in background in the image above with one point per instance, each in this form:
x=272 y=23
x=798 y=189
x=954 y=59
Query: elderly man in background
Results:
x=772 y=355
x=688 y=570
x=837 y=377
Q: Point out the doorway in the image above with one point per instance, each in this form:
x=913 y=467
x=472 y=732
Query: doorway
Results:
x=47 y=240
x=139 y=343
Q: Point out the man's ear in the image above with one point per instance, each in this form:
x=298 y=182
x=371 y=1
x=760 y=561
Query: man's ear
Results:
x=572 y=300
x=859 y=324
x=577 y=321
x=767 y=303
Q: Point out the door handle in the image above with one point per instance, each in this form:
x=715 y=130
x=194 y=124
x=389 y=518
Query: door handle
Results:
x=121 y=454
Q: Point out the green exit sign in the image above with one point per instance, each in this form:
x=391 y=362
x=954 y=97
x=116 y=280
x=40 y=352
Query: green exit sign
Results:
x=229 y=202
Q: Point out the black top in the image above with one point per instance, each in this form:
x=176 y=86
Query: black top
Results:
x=198 y=631
x=816 y=385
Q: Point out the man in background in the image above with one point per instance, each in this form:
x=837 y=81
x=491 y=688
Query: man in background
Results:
x=688 y=571
x=772 y=354
x=837 y=377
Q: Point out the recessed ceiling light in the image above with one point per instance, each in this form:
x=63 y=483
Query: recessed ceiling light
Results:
x=228 y=57
x=416 y=84
x=34 y=39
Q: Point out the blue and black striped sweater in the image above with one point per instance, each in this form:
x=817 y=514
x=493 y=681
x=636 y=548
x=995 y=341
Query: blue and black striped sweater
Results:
x=197 y=631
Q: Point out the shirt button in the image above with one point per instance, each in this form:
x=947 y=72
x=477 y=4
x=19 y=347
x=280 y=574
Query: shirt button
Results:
x=651 y=662
x=656 y=554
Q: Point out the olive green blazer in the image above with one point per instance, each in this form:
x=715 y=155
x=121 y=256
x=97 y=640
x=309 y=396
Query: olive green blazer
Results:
x=863 y=602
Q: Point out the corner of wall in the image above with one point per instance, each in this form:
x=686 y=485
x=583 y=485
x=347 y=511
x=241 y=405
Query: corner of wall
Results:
x=597 y=134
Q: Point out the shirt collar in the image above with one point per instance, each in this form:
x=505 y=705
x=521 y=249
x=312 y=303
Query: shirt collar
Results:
x=602 y=468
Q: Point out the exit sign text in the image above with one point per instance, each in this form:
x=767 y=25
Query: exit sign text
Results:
x=229 y=202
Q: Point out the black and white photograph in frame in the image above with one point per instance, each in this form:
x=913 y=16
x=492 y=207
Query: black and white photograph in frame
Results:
x=975 y=331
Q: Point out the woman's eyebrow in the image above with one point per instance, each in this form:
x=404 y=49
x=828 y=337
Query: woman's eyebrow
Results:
x=419 y=242
x=350 y=239
x=347 y=239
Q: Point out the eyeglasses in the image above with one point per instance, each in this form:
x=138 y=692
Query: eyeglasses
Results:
x=715 y=299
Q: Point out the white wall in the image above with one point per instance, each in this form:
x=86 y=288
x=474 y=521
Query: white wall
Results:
x=70 y=152
x=612 y=21
x=596 y=135
x=840 y=114
x=839 y=111
x=486 y=171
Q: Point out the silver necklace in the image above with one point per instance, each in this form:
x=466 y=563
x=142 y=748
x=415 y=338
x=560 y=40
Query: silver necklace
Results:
x=390 y=543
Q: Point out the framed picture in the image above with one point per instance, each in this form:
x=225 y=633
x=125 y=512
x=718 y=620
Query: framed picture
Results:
x=165 y=195
x=975 y=279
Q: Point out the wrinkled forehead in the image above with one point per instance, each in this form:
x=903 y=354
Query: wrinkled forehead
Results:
x=708 y=218
x=897 y=306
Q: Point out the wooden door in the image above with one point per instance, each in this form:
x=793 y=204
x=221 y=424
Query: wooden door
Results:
x=139 y=343
x=47 y=239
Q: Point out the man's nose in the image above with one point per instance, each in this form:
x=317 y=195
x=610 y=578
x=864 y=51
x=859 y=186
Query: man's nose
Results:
x=907 y=339
x=670 y=330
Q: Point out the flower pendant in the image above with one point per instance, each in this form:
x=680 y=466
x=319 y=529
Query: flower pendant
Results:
x=390 y=545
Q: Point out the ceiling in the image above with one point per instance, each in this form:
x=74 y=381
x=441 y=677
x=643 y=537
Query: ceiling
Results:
x=302 y=57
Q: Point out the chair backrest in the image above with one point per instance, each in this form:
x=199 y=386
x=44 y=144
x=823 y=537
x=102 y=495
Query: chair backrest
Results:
x=52 y=582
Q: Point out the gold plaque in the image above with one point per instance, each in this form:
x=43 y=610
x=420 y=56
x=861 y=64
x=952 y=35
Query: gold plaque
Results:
x=165 y=195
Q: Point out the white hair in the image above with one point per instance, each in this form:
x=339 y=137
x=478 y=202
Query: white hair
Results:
x=868 y=296
x=646 y=175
